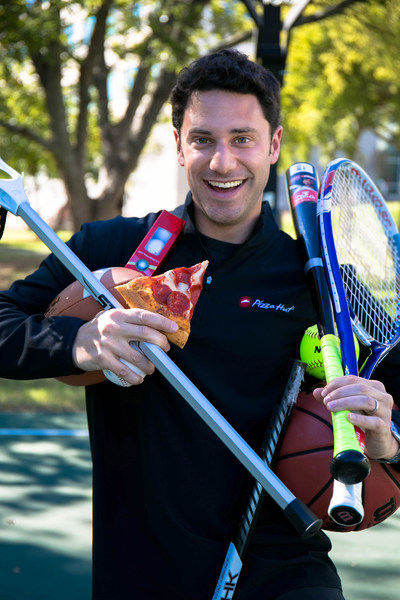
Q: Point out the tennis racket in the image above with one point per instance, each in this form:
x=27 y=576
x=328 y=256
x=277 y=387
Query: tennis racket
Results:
x=361 y=249
x=277 y=426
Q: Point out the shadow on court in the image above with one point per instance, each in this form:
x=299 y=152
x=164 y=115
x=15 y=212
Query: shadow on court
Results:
x=45 y=507
x=368 y=561
x=45 y=519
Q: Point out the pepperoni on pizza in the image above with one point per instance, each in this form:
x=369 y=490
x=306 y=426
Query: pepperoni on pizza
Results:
x=173 y=294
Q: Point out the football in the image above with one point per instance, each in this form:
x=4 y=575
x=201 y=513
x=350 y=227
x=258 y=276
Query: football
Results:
x=75 y=301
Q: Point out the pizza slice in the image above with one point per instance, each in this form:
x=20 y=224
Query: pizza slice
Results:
x=173 y=294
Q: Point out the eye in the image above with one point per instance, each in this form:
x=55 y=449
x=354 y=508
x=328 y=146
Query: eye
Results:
x=201 y=141
x=243 y=139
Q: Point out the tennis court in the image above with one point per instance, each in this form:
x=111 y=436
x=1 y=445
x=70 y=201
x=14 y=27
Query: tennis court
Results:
x=45 y=507
x=45 y=518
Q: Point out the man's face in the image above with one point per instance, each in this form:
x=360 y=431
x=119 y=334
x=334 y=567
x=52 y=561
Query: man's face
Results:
x=226 y=148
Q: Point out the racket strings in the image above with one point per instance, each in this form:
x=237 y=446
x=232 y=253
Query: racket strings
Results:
x=368 y=254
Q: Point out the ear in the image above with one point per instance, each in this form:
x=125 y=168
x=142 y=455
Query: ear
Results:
x=181 y=159
x=276 y=144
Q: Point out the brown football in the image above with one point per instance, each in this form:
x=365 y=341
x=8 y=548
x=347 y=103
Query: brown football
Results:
x=75 y=301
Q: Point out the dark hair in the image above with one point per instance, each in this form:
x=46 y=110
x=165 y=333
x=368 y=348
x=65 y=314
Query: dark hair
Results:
x=228 y=70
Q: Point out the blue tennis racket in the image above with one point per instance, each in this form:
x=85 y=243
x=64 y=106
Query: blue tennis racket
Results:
x=360 y=248
x=353 y=214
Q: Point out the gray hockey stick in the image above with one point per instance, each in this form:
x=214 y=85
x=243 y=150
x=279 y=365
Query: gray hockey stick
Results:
x=14 y=199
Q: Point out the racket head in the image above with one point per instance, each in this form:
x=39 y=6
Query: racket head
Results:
x=367 y=244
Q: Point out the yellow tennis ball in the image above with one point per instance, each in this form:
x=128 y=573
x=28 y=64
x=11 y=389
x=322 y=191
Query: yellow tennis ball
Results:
x=310 y=352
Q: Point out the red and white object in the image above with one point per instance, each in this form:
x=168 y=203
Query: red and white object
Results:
x=153 y=250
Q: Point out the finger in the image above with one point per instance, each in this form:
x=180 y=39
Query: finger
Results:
x=133 y=355
x=144 y=326
x=351 y=385
x=123 y=372
x=370 y=401
x=347 y=380
x=150 y=319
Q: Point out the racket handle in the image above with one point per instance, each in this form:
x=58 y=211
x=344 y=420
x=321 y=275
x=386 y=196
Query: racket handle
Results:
x=349 y=464
x=346 y=507
x=330 y=349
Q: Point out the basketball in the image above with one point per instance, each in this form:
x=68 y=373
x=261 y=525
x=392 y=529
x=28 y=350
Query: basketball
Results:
x=304 y=467
x=75 y=301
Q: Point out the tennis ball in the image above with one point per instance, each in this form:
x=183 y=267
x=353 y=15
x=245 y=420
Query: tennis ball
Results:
x=310 y=352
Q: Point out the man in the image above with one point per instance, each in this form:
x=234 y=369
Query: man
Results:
x=167 y=495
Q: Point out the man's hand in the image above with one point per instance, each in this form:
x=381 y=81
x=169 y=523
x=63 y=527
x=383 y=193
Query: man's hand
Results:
x=374 y=411
x=103 y=341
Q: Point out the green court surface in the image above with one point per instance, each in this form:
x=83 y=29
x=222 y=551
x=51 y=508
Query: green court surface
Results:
x=45 y=519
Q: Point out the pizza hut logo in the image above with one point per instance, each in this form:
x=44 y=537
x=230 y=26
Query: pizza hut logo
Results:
x=245 y=301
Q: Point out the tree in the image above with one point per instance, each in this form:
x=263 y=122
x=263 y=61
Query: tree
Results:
x=342 y=79
x=58 y=59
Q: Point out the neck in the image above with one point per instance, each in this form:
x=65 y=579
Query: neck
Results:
x=235 y=233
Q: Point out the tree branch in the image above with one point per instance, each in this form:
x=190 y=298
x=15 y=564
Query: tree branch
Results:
x=122 y=129
x=94 y=56
x=233 y=40
x=28 y=134
x=253 y=13
x=330 y=11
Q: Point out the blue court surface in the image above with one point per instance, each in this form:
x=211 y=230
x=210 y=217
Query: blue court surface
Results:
x=45 y=519
x=45 y=507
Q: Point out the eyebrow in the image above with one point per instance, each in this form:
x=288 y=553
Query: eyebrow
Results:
x=234 y=130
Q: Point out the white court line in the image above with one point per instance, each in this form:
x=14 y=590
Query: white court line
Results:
x=45 y=432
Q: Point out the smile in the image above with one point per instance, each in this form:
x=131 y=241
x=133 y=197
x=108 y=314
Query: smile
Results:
x=225 y=184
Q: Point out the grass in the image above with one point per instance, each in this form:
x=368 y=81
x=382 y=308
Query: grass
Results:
x=20 y=254
x=40 y=395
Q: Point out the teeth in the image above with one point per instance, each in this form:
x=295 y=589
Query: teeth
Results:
x=226 y=184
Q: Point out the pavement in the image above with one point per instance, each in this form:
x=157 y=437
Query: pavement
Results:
x=45 y=508
x=45 y=519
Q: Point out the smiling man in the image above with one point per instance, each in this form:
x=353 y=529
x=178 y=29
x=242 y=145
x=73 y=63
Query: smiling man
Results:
x=167 y=494
x=226 y=145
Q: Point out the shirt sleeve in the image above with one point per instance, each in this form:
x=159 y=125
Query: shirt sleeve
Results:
x=32 y=346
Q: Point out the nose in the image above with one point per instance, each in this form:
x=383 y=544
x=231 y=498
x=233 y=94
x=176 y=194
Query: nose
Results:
x=223 y=159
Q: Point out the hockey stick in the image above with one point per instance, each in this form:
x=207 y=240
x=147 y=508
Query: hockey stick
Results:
x=14 y=199
x=232 y=566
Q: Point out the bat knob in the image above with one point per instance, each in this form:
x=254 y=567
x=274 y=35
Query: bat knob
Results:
x=350 y=467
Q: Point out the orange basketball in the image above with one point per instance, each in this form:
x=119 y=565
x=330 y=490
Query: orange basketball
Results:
x=304 y=466
x=75 y=301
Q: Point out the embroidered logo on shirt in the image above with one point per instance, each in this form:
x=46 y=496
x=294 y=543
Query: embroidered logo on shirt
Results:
x=247 y=302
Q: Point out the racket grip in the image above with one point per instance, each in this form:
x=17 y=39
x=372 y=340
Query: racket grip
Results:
x=346 y=507
x=349 y=464
x=330 y=349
